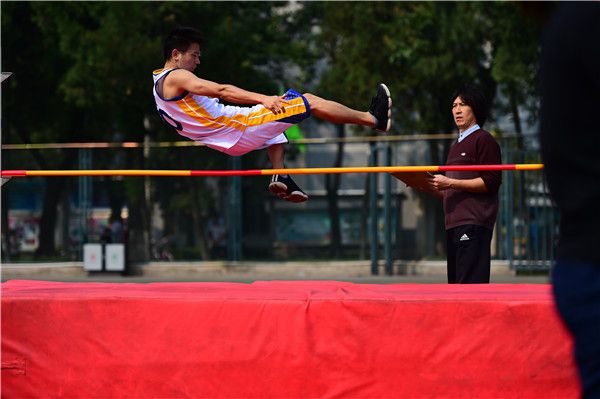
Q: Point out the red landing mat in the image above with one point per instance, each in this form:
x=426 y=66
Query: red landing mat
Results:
x=296 y=339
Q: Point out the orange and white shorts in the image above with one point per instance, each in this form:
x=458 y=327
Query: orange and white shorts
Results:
x=257 y=137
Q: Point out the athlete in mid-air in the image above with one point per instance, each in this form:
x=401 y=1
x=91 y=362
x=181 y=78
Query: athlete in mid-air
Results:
x=191 y=105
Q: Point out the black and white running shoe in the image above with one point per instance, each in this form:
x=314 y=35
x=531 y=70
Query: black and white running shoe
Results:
x=381 y=108
x=287 y=189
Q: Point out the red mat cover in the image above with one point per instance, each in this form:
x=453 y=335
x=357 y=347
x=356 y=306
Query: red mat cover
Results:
x=282 y=339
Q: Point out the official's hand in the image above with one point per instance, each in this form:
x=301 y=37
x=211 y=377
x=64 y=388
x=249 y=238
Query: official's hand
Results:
x=440 y=182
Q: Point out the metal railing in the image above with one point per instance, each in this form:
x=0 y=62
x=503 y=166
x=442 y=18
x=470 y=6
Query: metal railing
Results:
x=527 y=225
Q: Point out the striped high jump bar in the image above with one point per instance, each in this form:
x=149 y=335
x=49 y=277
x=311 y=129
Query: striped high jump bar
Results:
x=263 y=172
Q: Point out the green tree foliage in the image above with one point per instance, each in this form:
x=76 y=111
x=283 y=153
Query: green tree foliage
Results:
x=514 y=29
x=422 y=51
x=82 y=73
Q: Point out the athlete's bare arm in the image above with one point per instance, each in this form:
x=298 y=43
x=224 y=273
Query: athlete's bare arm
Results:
x=181 y=80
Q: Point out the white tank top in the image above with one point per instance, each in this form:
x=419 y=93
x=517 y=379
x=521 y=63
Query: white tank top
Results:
x=204 y=119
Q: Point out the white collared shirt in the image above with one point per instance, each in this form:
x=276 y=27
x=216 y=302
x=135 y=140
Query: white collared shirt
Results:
x=470 y=130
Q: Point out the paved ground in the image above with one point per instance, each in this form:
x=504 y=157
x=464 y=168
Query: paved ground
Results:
x=423 y=272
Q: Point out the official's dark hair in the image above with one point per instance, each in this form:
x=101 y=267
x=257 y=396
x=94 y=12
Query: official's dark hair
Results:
x=475 y=99
x=181 y=38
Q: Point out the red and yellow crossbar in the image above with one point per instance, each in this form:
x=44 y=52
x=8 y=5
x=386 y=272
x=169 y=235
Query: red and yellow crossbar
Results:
x=262 y=172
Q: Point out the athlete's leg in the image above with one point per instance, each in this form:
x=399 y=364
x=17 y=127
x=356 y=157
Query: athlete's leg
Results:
x=332 y=111
x=377 y=117
x=283 y=185
x=276 y=155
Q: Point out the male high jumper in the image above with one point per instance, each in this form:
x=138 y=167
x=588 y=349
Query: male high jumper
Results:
x=191 y=105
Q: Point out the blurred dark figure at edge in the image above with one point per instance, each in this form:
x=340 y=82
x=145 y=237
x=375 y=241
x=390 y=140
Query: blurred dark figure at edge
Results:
x=570 y=140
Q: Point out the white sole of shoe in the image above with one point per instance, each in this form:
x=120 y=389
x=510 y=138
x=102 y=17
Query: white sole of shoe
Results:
x=280 y=189
x=295 y=196
x=277 y=188
x=389 y=122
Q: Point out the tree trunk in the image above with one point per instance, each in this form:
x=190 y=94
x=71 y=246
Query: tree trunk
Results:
x=434 y=213
x=52 y=196
x=138 y=231
x=520 y=154
x=514 y=108
x=6 y=249
x=198 y=222
x=54 y=185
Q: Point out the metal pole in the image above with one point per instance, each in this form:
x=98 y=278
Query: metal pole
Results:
x=147 y=209
x=234 y=220
x=373 y=212
x=510 y=204
x=85 y=195
x=387 y=214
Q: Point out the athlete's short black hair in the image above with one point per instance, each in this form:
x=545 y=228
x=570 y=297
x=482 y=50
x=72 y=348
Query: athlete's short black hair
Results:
x=474 y=98
x=181 y=38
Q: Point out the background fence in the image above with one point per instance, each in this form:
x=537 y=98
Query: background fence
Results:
x=356 y=216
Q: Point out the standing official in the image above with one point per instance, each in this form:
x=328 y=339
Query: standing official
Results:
x=470 y=197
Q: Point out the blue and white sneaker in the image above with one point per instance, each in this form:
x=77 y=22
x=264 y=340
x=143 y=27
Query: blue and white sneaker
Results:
x=285 y=188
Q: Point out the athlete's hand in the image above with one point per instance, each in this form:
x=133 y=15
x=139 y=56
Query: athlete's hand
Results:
x=274 y=103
